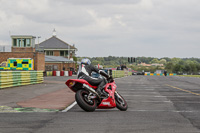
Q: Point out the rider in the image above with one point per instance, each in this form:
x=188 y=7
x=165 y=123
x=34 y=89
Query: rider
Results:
x=85 y=71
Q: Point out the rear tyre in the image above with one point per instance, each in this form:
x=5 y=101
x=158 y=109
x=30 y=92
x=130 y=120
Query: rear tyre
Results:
x=86 y=104
x=121 y=103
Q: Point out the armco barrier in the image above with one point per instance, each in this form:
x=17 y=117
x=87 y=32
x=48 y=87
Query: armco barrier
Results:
x=18 y=78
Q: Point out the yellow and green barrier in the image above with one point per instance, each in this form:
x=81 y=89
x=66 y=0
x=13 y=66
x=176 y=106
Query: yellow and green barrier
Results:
x=159 y=74
x=119 y=74
x=49 y=73
x=19 y=78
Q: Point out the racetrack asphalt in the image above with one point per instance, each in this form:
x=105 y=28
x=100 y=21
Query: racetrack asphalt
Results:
x=157 y=104
x=52 y=94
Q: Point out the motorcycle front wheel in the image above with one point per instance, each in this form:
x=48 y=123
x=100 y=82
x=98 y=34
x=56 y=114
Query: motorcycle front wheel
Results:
x=121 y=103
x=84 y=102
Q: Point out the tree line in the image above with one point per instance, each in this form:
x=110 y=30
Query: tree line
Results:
x=172 y=65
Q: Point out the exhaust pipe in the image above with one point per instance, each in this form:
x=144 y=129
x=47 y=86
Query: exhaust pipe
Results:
x=90 y=89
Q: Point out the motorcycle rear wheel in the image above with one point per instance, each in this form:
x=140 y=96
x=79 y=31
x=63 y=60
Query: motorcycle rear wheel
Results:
x=121 y=103
x=86 y=104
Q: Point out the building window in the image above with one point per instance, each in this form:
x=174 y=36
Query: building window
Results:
x=15 y=42
x=49 y=68
x=19 y=42
x=62 y=53
x=15 y=63
x=23 y=42
x=24 y=62
x=66 y=53
x=28 y=42
x=50 y=53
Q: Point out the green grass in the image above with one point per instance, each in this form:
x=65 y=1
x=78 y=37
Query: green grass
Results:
x=198 y=76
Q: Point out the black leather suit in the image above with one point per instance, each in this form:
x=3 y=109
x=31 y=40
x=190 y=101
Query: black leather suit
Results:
x=85 y=72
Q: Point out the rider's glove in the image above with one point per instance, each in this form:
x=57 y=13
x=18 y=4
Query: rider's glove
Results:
x=110 y=79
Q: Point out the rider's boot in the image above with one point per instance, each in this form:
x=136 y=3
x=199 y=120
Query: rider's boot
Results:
x=99 y=90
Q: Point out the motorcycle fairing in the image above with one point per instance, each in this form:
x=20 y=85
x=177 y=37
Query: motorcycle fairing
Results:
x=110 y=101
x=76 y=84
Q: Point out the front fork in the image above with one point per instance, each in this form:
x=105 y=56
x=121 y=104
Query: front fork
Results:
x=119 y=98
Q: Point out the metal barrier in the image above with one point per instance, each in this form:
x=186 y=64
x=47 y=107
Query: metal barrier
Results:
x=18 y=78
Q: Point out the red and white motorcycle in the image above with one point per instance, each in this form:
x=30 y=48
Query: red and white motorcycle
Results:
x=88 y=99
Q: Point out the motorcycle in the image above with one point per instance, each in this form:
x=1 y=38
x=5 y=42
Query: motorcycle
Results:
x=88 y=99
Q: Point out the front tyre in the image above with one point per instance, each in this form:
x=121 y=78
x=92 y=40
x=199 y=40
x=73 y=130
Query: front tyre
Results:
x=121 y=103
x=84 y=102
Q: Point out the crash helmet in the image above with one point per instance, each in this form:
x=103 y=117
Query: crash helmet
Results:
x=85 y=61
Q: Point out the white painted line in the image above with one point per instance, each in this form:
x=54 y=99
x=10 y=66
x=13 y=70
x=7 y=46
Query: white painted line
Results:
x=69 y=107
x=159 y=96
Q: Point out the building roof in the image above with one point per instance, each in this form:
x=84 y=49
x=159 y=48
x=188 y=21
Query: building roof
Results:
x=55 y=43
x=57 y=59
x=22 y=36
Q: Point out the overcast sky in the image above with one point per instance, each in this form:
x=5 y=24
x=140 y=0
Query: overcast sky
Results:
x=151 y=28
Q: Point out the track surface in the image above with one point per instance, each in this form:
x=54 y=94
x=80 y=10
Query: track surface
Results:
x=156 y=105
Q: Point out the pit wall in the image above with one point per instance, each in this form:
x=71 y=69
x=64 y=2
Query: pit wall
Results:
x=19 y=78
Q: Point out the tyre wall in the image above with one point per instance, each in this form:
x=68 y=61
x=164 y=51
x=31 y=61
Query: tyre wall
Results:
x=19 y=78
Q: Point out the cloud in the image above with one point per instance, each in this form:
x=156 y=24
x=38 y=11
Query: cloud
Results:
x=114 y=27
x=100 y=2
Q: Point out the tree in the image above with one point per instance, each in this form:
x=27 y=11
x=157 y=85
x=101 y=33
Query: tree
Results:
x=193 y=68
x=155 y=61
x=167 y=59
x=95 y=62
x=198 y=67
x=186 y=68
x=169 y=67
x=177 y=69
x=162 y=61
x=75 y=58
x=175 y=60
